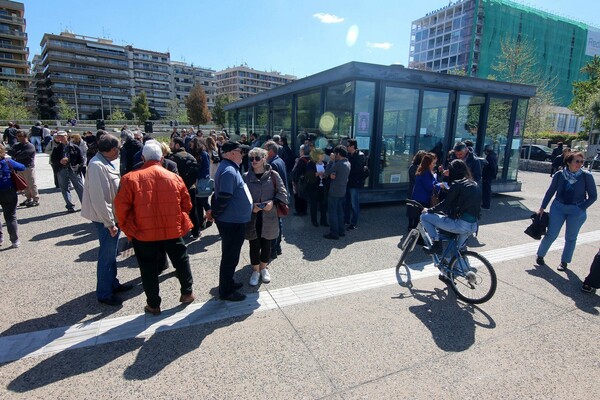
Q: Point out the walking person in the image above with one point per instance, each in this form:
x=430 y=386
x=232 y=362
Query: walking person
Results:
x=99 y=191
x=67 y=159
x=8 y=197
x=152 y=207
x=574 y=190
x=267 y=189
x=231 y=210
x=488 y=174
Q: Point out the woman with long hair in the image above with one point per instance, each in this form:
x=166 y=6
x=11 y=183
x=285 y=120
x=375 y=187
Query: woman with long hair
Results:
x=575 y=191
x=462 y=207
x=425 y=181
x=200 y=203
x=213 y=154
x=411 y=212
x=266 y=188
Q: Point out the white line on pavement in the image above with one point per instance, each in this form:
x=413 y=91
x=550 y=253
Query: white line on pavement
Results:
x=141 y=325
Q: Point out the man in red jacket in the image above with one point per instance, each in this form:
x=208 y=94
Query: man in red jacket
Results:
x=152 y=208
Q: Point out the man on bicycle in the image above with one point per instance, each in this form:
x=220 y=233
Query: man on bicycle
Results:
x=462 y=206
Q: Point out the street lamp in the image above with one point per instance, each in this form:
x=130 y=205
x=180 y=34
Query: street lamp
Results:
x=76 y=106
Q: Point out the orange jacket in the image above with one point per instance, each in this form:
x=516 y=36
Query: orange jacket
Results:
x=153 y=204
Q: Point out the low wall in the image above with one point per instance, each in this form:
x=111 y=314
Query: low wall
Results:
x=535 y=166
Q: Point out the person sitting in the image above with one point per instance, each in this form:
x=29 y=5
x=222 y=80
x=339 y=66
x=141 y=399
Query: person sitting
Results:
x=462 y=206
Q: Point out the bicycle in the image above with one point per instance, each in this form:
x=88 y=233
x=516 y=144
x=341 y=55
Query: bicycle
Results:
x=469 y=274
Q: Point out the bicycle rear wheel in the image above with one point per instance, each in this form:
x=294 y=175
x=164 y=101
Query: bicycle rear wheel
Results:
x=408 y=245
x=472 y=277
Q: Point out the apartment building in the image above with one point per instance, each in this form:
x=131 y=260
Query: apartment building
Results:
x=184 y=78
x=14 y=53
x=150 y=72
x=243 y=81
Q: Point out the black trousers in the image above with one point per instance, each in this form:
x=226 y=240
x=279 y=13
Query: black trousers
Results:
x=317 y=201
x=593 y=278
x=151 y=255
x=232 y=239
x=486 y=193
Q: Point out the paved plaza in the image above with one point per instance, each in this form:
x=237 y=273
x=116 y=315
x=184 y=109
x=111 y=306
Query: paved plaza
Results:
x=338 y=321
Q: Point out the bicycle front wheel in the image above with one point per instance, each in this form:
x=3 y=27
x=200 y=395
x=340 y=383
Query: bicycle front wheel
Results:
x=407 y=246
x=472 y=277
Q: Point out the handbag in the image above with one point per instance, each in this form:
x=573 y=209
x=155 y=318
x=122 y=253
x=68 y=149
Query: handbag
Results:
x=282 y=208
x=435 y=198
x=205 y=187
x=18 y=181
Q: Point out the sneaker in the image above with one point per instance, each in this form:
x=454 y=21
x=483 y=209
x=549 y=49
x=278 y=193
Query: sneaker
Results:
x=540 y=260
x=265 y=276
x=562 y=266
x=70 y=210
x=237 y=285
x=330 y=236
x=123 y=288
x=35 y=203
x=15 y=244
x=187 y=298
x=254 y=278
x=26 y=203
x=351 y=227
x=588 y=289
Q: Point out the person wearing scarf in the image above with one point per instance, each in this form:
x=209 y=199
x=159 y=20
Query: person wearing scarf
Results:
x=575 y=191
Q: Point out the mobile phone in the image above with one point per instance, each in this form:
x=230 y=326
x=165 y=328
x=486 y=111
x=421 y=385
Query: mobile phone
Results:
x=261 y=205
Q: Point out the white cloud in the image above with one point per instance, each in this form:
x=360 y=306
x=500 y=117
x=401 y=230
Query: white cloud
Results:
x=328 y=18
x=381 y=46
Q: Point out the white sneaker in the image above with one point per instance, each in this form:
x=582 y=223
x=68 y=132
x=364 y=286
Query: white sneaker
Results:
x=254 y=278
x=15 y=244
x=265 y=276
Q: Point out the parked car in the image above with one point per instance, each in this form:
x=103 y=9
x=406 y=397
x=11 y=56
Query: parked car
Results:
x=538 y=152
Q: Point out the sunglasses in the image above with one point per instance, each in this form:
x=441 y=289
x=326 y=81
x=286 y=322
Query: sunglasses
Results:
x=578 y=161
x=256 y=158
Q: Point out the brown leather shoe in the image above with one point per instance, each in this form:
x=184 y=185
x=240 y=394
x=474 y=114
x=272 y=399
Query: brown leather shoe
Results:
x=187 y=298
x=151 y=310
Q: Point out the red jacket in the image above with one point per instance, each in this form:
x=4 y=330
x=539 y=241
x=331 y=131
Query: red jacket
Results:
x=153 y=204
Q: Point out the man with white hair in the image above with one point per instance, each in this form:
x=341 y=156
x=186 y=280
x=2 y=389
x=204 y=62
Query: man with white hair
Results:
x=152 y=208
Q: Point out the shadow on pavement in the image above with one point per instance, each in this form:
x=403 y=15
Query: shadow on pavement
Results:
x=568 y=284
x=155 y=354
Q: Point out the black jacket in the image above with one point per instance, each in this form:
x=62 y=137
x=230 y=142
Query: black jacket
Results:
x=356 y=179
x=464 y=197
x=128 y=151
x=490 y=171
x=186 y=166
x=70 y=151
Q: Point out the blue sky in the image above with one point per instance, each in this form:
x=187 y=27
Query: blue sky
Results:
x=299 y=37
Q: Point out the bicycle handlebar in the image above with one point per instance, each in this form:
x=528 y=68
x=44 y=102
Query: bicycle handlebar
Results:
x=414 y=203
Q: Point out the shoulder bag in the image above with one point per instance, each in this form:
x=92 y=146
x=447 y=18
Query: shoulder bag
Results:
x=18 y=181
x=204 y=187
x=282 y=208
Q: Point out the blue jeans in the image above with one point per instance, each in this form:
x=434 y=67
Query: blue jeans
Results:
x=66 y=175
x=464 y=229
x=106 y=270
x=559 y=213
x=335 y=209
x=37 y=142
x=351 y=207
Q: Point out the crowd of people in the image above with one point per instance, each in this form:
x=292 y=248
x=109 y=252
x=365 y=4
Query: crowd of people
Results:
x=159 y=193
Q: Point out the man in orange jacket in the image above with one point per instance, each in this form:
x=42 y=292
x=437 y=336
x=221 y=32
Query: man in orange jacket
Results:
x=152 y=208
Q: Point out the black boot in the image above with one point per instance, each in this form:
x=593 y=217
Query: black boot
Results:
x=436 y=247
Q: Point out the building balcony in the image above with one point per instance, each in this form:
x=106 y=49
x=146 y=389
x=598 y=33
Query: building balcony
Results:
x=16 y=77
x=13 y=34
x=12 y=48
x=13 y=62
x=12 y=19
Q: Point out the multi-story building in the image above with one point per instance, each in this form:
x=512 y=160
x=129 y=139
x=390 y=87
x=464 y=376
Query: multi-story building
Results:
x=89 y=74
x=467 y=35
x=242 y=81
x=185 y=76
x=14 y=53
x=150 y=72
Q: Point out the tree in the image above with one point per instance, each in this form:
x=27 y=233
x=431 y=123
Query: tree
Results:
x=12 y=102
x=175 y=111
x=140 y=108
x=218 y=113
x=197 y=109
x=65 y=111
x=518 y=63
x=585 y=93
x=116 y=114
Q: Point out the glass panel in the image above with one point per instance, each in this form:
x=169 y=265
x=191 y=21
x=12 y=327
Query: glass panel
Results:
x=230 y=121
x=434 y=118
x=497 y=128
x=336 y=123
x=517 y=139
x=363 y=117
x=467 y=121
x=308 y=115
x=243 y=120
x=399 y=126
x=261 y=121
x=282 y=116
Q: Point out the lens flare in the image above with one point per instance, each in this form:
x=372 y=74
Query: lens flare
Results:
x=326 y=122
x=352 y=35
